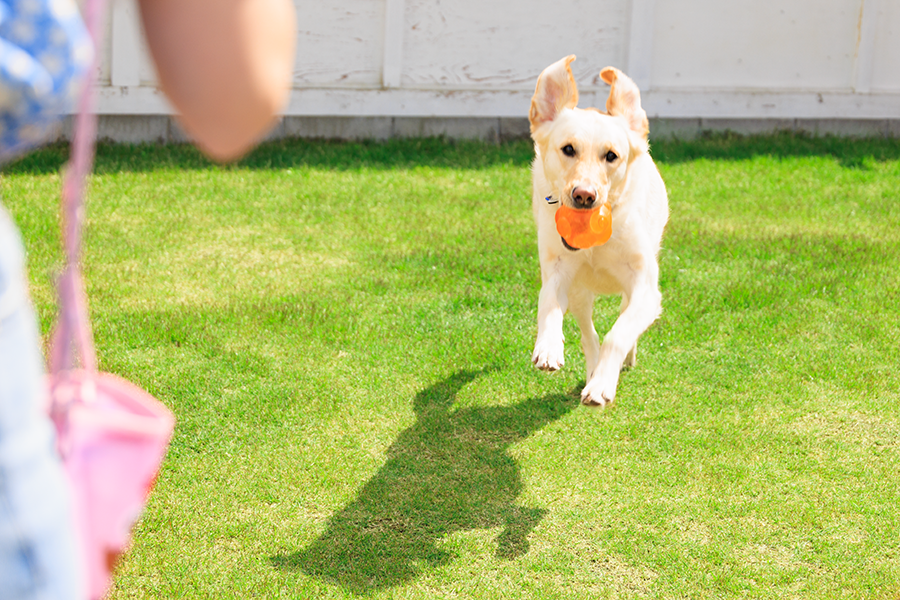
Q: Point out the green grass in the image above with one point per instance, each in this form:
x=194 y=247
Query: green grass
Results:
x=344 y=333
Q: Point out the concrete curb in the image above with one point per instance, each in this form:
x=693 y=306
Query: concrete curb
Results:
x=164 y=129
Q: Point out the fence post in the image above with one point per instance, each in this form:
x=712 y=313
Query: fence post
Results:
x=125 y=44
x=865 y=46
x=640 y=43
x=394 y=15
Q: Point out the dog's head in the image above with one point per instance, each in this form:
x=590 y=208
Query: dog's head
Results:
x=585 y=153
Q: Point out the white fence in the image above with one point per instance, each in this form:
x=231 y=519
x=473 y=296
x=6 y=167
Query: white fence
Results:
x=758 y=60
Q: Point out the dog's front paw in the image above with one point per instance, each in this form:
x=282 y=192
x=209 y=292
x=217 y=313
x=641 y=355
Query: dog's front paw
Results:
x=548 y=356
x=599 y=391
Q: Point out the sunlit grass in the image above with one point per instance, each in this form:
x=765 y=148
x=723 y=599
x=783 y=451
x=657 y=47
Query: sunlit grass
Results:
x=344 y=333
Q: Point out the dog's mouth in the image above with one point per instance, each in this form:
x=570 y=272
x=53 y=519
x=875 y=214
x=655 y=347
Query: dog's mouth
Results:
x=568 y=247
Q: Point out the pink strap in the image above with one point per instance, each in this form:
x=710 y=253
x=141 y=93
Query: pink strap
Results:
x=73 y=338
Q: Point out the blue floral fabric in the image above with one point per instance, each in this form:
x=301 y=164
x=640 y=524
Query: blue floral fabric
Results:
x=45 y=52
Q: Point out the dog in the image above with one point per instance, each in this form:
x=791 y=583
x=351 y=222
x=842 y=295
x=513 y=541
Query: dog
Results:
x=583 y=159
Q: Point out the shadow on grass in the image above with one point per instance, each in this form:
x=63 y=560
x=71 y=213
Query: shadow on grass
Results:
x=851 y=153
x=337 y=155
x=448 y=472
x=289 y=153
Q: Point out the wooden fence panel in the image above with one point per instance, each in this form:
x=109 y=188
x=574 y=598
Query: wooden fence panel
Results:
x=740 y=59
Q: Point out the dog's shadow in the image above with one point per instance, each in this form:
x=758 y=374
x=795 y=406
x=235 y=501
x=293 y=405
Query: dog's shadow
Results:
x=448 y=472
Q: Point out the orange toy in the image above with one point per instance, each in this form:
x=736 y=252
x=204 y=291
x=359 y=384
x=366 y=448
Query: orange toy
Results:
x=584 y=228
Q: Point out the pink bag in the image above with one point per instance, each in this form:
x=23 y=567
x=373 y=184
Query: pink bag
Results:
x=111 y=435
x=112 y=438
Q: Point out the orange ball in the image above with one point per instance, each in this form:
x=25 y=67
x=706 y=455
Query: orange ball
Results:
x=584 y=228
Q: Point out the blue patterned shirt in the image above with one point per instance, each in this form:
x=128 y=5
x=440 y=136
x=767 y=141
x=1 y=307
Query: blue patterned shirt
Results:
x=45 y=53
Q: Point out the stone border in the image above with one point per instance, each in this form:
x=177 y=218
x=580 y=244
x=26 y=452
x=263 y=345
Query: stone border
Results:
x=164 y=129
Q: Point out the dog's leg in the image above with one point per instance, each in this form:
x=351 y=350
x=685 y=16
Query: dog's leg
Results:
x=581 y=305
x=631 y=357
x=644 y=306
x=552 y=305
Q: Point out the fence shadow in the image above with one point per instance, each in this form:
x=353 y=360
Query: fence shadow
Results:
x=448 y=472
x=444 y=153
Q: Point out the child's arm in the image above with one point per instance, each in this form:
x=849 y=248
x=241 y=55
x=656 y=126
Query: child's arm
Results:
x=226 y=66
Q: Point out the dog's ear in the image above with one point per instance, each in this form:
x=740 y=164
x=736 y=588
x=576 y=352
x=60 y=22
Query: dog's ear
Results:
x=625 y=100
x=555 y=90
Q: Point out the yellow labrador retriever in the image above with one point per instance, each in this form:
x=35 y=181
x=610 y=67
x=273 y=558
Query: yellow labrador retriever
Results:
x=585 y=158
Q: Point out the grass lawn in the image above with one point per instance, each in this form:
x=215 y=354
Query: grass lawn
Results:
x=344 y=332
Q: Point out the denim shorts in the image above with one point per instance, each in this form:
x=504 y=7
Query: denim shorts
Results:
x=38 y=556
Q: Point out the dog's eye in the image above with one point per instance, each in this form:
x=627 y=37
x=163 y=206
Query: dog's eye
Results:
x=611 y=156
x=568 y=150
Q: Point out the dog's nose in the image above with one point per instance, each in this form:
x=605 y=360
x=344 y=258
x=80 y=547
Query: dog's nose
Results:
x=584 y=197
